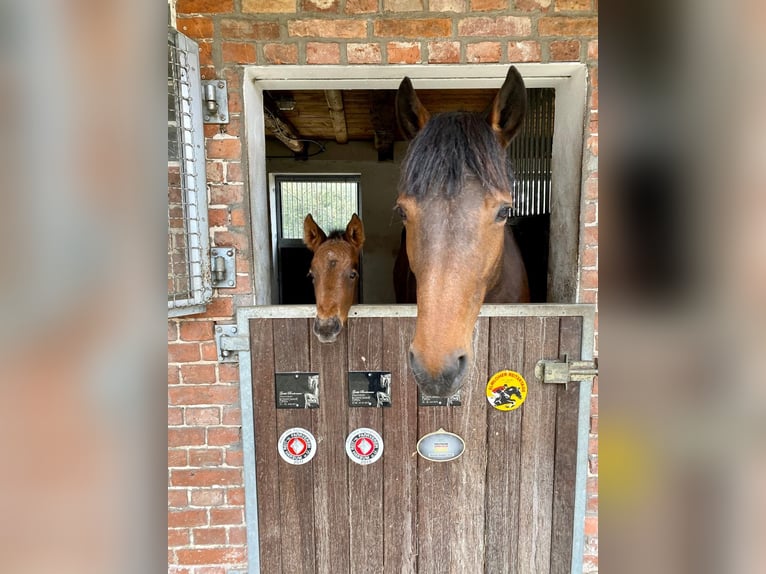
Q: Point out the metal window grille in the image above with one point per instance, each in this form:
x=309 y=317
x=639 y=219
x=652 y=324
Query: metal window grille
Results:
x=531 y=153
x=189 y=282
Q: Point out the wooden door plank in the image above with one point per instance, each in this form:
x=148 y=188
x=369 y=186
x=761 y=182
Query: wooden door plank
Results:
x=330 y=480
x=266 y=458
x=365 y=482
x=537 y=449
x=291 y=354
x=400 y=432
x=506 y=341
x=565 y=461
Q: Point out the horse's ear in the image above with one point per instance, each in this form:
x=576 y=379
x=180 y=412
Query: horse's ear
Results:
x=355 y=232
x=313 y=236
x=507 y=111
x=410 y=113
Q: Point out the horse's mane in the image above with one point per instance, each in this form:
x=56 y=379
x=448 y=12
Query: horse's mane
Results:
x=450 y=147
x=336 y=234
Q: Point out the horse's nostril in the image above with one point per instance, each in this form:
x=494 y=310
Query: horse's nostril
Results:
x=462 y=361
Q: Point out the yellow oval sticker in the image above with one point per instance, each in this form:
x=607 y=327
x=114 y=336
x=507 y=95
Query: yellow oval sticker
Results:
x=506 y=390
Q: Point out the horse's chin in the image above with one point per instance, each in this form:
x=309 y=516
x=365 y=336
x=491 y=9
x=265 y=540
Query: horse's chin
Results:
x=327 y=330
x=326 y=338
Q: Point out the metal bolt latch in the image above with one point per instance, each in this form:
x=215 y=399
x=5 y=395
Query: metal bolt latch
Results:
x=558 y=371
x=223 y=267
x=215 y=98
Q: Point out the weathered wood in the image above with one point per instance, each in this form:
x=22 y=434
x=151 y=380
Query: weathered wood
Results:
x=280 y=127
x=291 y=353
x=400 y=432
x=330 y=483
x=565 y=461
x=365 y=482
x=266 y=465
x=537 y=448
x=337 y=115
x=506 y=352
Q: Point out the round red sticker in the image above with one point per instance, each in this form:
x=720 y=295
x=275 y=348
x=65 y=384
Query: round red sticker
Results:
x=364 y=446
x=297 y=446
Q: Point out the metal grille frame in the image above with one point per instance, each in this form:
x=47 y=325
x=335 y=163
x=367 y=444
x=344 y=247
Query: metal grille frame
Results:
x=189 y=279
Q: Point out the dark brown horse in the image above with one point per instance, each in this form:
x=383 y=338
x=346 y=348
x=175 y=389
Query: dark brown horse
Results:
x=454 y=198
x=334 y=272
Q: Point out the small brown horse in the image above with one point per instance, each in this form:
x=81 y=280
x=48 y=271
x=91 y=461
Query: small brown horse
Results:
x=454 y=198
x=334 y=272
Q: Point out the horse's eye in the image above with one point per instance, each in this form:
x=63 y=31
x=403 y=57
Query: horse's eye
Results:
x=353 y=275
x=504 y=213
x=310 y=275
x=400 y=212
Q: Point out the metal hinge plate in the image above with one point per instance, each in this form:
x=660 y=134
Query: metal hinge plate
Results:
x=223 y=266
x=558 y=371
x=228 y=343
x=215 y=101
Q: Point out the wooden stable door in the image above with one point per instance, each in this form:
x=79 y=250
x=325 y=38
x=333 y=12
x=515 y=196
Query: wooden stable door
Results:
x=505 y=506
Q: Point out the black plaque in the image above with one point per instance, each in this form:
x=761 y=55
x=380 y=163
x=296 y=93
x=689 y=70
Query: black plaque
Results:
x=369 y=389
x=297 y=390
x=433 y=401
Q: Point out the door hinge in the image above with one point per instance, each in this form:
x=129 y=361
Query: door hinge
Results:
x=558 y=371
x=228 y=343
x=223 y=265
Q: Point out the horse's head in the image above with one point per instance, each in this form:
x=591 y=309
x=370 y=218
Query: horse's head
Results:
x=454 y=199
x=335 y=273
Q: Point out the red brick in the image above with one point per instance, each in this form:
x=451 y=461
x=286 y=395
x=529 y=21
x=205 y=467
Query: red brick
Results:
x=594 y=98
x=228 y=373
x=209 y=351
x=195 y=374
x=177 y=457
x=447 y=5
x=590 y=235
x=249 y=30
x=237 y=217
x=220 y=306
x=593 y=464
x=588 y=296
x=238 y=535
x=320 y=5
x=207 y=497
x=593 y=50
x=243 y=286
x=205 y=54
x=173 y=375
x=327 y=28
x=230 y=555
x=424 y=28
x=280 y=54
x=228 y=148
x=235 y=103
x=589 y=256
x=209 y=536
x=234 y=458
x=501 y=26
x=201 y=416
x=175 y=416
x=238 y=240
x=183 y=436
x=235 y=496
x=268 y=6
x=238 y=53
x=592 y=505
x=483 y=5
x=183 y=352
x=178 y=537
x=204 y=6
x=361 y=6
x=178 y=498
x=363 y=53
x=592 y=144
x=232 y=416
x=403 y=52
x=199 y=27
x=590 y=213
x=234 y=172
x=565 y=51
x=186 y=517
x=591 y=188
x=214 y=170
x=573 y=5
x=322 y=53
x=196 y=330
x=524 y=51
x=172 y=331
x=206 y=477
x=226 y=516
x=483 y=52
x=203 y=395
x=443 y=52
x=564 y=26
x=218 y=217
x=205 y=457
x=589 y=279
x=223 y=436
x=591 y=526
x=226 y=194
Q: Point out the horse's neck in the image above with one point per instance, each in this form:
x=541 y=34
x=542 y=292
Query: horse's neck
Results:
x=511 y=285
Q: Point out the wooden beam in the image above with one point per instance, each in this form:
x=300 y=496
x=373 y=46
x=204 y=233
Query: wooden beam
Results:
x=280 y=126
x=337 y=114
x=384 y=123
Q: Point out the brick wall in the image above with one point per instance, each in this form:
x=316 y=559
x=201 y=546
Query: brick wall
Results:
x=206 y=532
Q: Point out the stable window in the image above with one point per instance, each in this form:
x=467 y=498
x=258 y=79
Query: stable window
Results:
x=331 y=200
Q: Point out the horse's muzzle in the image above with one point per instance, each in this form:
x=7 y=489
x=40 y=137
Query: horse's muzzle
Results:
x=444 y=383
x=327 y=330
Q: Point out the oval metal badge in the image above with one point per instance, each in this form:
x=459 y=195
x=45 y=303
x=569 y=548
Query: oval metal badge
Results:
x=297 y=446
x=364 y=446
x=441 y=446
x=506 y=390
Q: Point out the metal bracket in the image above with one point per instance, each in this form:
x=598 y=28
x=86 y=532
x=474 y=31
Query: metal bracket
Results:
x=557 y=371
x=223 y=267
x=228 y=343
x=215 y=101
